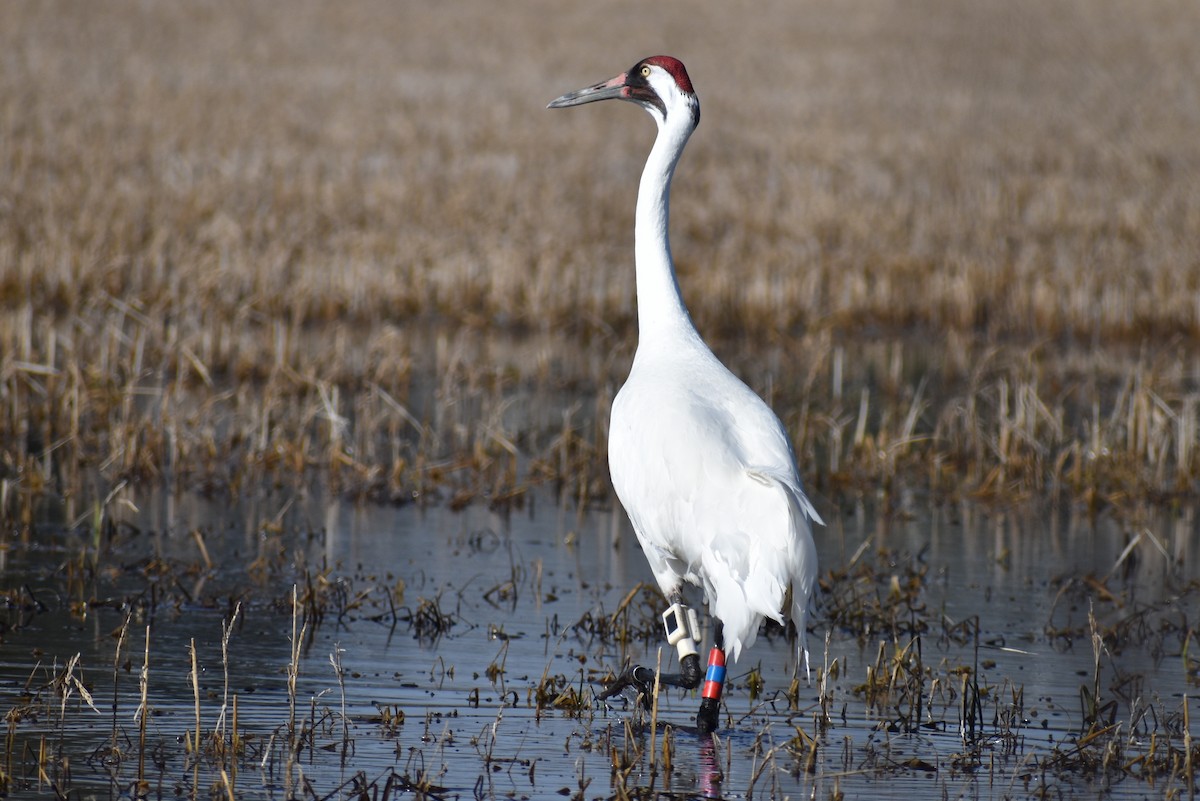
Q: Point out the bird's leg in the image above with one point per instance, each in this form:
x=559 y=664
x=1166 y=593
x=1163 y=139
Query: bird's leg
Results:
x=683 y=630
x=714 y=681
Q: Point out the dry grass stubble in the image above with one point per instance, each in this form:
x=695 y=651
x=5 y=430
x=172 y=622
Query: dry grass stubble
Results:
x=956 y=245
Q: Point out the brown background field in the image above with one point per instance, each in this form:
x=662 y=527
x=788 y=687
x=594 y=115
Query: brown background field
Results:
x=956 y=244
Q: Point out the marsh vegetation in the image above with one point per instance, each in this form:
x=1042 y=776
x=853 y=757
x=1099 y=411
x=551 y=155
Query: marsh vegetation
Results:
x=956 y=248
x=259 y=254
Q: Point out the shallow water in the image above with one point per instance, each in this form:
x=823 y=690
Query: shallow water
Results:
x=518 y=596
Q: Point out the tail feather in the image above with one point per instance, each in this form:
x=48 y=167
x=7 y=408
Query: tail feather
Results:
x=804 y=580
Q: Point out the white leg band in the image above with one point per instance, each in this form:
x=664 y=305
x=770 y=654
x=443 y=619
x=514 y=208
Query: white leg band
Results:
x=683 y=629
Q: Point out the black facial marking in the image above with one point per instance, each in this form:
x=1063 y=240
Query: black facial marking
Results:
x=638 y=88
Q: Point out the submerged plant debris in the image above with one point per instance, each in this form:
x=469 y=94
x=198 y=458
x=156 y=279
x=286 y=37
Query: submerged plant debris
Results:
x=335 y=650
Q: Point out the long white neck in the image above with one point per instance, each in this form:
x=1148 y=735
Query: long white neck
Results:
x=662 y=316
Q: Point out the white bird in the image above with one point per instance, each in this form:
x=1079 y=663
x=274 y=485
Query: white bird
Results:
x=703 y=467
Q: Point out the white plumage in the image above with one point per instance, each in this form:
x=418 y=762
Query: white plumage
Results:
x=701 y=464
x=706 y=475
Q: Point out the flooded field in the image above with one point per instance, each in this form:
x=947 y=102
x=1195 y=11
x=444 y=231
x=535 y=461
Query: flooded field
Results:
x=958 y=652
x=248 y=250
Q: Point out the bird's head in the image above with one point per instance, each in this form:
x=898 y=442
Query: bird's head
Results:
x=659 y=84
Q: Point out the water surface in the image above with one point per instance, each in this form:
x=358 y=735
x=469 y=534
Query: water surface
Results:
x=469 y=644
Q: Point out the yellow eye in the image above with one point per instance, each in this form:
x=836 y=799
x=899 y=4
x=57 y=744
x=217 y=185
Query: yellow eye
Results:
x=646 y=71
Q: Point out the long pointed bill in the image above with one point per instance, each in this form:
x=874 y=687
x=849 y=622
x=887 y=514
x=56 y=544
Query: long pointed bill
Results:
x=612 y=89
